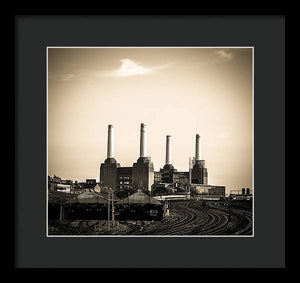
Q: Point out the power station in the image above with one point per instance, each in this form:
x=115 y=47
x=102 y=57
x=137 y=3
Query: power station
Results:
x=141 y=197
x=143 y=169
x=142 y=175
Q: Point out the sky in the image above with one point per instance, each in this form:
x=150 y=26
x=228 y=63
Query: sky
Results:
x=175 y=91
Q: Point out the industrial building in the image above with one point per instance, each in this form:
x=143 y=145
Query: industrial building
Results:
x=140 y=206
x=135 y=185
x=109 y=173
x=167 y=172
x=243 y=191
x=68 y=186
x=94 y=206
x=125 y=177
x=209 y=189
x=143 y=169
x=141 y=175
x=197 y=174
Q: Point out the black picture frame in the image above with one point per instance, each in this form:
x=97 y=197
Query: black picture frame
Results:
x=32 y=33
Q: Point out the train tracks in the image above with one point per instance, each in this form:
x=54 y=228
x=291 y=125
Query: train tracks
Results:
x=187 y=218
x=243 y=216
x=65 y=228
x=211 y=220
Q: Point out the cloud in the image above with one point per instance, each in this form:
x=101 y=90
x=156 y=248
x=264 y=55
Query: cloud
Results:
x=127 y=68
x=131 y=68
x=224 y=55
x=61 y=77
x=213 y=58
x=79 y=75
x=67 y=77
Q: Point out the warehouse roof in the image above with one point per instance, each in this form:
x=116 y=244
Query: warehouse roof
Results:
x=58 y=197
x=104 y=194
x=139 y=198
x=85 y=197
x=88 y=197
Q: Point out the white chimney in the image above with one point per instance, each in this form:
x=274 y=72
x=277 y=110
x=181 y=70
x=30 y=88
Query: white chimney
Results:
x=168 y=150
x=110 y=142
x=198 y=148
x=143 y=141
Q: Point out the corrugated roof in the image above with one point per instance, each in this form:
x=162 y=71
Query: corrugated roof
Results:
x=139 y=198
x=105 y=195
x=59 y=197
x=85 y=197
x=89 y=197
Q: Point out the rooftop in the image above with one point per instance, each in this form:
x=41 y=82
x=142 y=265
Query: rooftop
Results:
x=139 y=198
x=85 y=197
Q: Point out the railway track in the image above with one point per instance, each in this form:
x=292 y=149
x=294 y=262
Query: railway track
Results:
x=187 y=218
x=64 y=227
x=187 y=221
x=244 y=216
x=212 y=220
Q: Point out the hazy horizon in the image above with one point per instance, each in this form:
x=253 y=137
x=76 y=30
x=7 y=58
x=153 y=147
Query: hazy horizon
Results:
x=175 y=91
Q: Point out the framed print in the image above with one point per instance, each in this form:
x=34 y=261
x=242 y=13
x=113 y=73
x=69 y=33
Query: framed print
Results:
x=143 y=199
x=139 y=134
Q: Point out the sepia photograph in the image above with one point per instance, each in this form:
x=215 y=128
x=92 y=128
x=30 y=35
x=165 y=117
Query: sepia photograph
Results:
x=150 y=141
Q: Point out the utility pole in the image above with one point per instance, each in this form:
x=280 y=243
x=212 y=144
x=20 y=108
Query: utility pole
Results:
x=190 y=171
x=113 y=209
x=190 y=174
x=108 y=212
x=61 y=212
x=229 y=207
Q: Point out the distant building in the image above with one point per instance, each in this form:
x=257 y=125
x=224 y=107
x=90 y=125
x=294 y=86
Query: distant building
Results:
x=243 y=191
x=97 y=188
x=209 y=189
x=89 y=184
x=54 y=179
x=181 y=177
x=76 y=186
x=217 y=190
x=63 y=188
x=90 y=181
x=124 y=177
x=157 y=177
x=167 y=172
x=198 y=172
x=140 y=206
x=81 y=185
x=53 y=182
x=68 y=186
x=140 y=175
x=143 y=174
